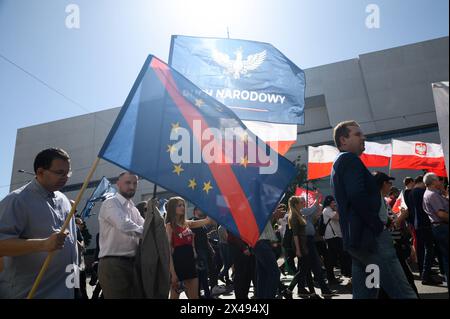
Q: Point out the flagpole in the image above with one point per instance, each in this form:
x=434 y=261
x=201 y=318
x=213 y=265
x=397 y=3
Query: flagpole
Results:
x=307 y=193
x=66 y=223
x=390 y=160
x=154 y=190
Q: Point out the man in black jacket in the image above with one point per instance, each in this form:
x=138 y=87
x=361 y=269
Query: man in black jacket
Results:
x=364 y=220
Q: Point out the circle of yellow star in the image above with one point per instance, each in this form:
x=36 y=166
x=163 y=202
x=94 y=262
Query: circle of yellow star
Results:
x=177 y=169
x=192 y=183
x=207 y=187
x=171 y=149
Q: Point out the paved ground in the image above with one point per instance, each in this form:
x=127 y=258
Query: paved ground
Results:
x=344 y=290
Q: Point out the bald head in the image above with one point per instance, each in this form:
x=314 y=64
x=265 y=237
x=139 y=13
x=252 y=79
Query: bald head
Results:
x=127 y=184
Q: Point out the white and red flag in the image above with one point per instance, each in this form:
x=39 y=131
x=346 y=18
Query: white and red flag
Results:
x=376 y=154
x=417 y=155
x=310 y=194
x=320 y=161
x=399 y=204
x=279 y=136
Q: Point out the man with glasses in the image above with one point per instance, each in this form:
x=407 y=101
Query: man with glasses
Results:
x=30 y=220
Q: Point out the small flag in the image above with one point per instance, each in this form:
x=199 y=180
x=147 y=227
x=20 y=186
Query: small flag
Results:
x=103 y=191
x=302 y=192
x=399 y=204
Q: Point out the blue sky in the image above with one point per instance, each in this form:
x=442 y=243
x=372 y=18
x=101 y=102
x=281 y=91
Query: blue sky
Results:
x=95 y=66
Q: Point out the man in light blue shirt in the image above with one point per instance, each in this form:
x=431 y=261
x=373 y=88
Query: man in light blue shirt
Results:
x=30 y=220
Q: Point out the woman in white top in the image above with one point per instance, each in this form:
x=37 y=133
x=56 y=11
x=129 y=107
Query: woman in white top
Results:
x=333 y=237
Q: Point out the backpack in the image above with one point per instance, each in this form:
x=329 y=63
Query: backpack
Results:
x=322 y=226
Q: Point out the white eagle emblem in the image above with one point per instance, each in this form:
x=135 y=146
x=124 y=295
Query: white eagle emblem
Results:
x=238 y=66
x=421 y=149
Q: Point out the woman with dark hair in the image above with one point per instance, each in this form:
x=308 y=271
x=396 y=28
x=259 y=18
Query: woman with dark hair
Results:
x=333 y=237
x=181 y=241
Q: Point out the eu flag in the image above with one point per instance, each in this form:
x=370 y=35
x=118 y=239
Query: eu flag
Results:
x=254 y=79
x=173 y=134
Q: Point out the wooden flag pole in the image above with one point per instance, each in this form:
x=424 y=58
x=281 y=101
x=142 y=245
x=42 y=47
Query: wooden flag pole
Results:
x=66 y=223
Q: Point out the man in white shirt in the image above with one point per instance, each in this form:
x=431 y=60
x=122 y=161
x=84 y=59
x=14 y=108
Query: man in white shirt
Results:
x=121 y=226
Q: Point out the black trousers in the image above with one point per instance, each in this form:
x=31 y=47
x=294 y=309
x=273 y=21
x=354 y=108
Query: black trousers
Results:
x=244 y=272
x=425 y=251
x=322 y=249
x=337 y=256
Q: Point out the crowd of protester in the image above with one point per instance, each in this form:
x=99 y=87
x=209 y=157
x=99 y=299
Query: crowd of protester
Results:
x=317 y=251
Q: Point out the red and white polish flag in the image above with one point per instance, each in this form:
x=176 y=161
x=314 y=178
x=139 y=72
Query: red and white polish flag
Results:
x=417 y=155
x=279 y=136
x=309 y=194
x=376 y=154
x=399 y=204
x=320 y=161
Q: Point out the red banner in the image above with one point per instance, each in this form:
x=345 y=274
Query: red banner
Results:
x=311 y=195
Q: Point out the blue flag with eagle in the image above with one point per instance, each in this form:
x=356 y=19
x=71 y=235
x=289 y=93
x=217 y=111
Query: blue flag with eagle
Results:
x=254 y=79
x=173 y=134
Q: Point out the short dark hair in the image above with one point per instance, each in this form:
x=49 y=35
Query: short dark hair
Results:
x=408 y=180
x=418 y=179
x=381 y=177
x=394 y=191
x=327 y=201
x=342 y=130
x=125 y=173
x=44 y=158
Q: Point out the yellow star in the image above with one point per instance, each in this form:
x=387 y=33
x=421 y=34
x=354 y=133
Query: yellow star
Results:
x=171 y=149
x=192 y=183
x=199 y=102
x=207 y=187
x=177 y=169
x=244 y=161
x=176 y=126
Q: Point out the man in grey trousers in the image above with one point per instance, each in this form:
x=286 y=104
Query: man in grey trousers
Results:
x=121 y=226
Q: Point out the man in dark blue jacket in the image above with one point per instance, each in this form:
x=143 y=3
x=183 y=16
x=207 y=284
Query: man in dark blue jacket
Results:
x=363 y=219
